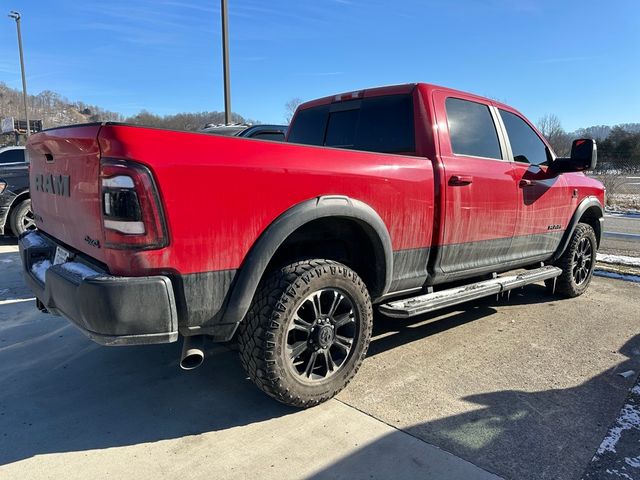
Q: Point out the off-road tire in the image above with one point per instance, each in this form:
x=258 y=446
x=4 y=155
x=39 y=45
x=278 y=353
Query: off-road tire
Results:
x=21 y=214
x=262 y=336
x=566 y=284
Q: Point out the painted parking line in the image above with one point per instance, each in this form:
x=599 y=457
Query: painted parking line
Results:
x=16 y=300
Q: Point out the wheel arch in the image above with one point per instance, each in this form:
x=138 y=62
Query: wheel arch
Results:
x=17 y=200
x=589 y=211
x=19 y=197
x=264 y=250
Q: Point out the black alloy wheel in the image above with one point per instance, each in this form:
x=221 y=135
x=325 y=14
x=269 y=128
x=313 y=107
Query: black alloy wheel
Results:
x=307 y=331
x=321 y=333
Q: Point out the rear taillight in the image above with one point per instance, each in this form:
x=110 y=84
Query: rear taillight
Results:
x=131 y=211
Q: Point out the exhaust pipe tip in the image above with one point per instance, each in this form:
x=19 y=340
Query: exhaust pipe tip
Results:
x=192 y=352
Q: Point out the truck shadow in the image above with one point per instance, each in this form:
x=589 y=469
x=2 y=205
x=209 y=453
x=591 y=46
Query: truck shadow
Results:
x=389 y=333
x=530 y=435
x=62 y=393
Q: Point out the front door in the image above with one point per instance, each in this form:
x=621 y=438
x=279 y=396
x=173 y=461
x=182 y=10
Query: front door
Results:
x=544 y=197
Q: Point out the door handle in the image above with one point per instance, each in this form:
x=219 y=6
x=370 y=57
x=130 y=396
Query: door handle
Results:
x=460 y=180
x=526 y=183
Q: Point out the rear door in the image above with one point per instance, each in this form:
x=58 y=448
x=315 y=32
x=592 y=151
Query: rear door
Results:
x=481 y=197
x=544 y=198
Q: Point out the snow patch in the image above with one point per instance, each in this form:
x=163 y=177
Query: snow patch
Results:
x=618 y=474
x=622 y=211
x=40 y=268
x=79 y=269
x=621 y=214
x=633 y=462
x=617 y=276
x=628 y=419
x=75 y=268
x=34 y=240
x=619 y=259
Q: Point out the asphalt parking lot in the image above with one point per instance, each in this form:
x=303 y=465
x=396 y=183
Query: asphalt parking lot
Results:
x=519 y=388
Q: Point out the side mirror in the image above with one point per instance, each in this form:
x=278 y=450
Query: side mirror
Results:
x=584 y=156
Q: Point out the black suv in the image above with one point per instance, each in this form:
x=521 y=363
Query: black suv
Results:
x=15 y=203
x=261 y=132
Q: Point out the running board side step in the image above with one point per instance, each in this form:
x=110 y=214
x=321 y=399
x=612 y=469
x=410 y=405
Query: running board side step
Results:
x=429 y=302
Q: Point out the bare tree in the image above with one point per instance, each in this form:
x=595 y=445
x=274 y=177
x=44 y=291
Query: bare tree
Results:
x=597 y=132
x=550 y=126
x=290 y=108
x=614 y=183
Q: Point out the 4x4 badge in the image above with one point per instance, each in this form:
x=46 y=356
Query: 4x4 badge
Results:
x=91 y=241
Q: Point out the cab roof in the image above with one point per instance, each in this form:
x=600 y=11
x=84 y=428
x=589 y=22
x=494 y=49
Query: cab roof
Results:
x=405 y=88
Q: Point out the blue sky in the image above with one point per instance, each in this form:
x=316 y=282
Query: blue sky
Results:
x=577 y=59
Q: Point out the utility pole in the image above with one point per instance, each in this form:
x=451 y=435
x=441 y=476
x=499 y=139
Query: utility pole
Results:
x=225 y=62
x=16 y=16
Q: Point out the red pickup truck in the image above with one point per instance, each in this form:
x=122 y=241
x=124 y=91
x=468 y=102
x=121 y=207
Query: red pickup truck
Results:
x=405 y=198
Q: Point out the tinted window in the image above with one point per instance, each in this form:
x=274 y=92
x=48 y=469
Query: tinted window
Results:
x=471 y=129
x=386 y=124
x=341 y=131
x=269 y=136
x=309 y=126
x=12 y=156
x=379 y=124
x=525 y=143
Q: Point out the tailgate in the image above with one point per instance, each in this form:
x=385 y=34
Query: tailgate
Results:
x=64 y=177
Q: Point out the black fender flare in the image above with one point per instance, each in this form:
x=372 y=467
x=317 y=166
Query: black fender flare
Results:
x=587 y=203
x=261 y=253
x=19 y=197
x=12 y=200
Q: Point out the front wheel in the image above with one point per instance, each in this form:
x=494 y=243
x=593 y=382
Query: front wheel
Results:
x=307 y=332
x=577 y=262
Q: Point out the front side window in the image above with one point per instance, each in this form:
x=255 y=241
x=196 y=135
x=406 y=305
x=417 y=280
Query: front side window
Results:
x=471 y=129
x=526 y=145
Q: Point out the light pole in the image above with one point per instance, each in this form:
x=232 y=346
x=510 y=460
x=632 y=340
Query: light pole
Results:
x=16 y=16
x=225 y=62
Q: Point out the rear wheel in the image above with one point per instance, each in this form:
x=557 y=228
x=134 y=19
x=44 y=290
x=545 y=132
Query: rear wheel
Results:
x=22 y=218
x=577 y=263
x=307 y=332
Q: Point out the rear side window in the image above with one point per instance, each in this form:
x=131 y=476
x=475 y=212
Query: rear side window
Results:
x=526 y=145
x=386 y=124
x=12 y=156
x=341 y=131
x=471 y=129
x=378 y=124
